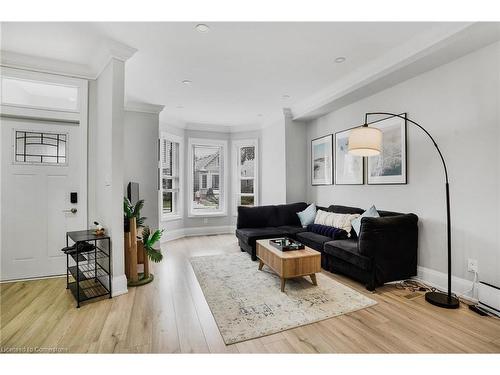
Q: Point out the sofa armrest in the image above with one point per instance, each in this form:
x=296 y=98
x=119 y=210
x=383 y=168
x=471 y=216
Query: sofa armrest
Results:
x=392 y=243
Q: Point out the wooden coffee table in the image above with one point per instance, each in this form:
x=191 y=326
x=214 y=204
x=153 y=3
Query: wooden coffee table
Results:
x=289 y=264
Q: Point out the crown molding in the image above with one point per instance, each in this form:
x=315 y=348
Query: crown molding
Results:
x=422 y=53
x=108 y=50
x=44 y=65
x=134 y=106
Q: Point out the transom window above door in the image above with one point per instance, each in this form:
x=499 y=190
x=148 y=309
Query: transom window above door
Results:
x=39 y=94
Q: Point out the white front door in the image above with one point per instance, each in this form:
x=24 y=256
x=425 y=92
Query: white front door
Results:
x=43 y=130
x=41 y=167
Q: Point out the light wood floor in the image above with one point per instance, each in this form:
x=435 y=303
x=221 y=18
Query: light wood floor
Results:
x=171 y=316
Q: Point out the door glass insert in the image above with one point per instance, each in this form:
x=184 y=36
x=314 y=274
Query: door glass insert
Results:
x=40 y=148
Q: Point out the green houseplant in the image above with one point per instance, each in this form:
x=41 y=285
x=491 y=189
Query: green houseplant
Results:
x=130 y=210
x=149 y=240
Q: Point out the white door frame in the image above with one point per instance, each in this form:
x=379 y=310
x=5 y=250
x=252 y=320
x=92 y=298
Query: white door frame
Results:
x=79 y=117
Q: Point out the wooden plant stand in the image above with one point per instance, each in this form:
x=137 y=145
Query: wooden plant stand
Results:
x=134 y=255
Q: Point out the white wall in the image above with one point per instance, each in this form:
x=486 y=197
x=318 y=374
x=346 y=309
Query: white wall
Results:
x=141 y=133
x=459 y=104
x=106 y=163
x=296 y=162
x=273 y=164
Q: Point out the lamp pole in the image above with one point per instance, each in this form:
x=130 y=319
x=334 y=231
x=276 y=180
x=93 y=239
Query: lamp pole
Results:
x=445 y=300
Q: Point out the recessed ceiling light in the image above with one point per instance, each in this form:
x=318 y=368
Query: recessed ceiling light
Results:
x=187 y=82
x=202 y=28
x=340 y=59
x=286 y=96
x=180 y=106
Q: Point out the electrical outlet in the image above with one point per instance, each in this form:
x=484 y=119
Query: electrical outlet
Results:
x=472 y=265
x=205 y=220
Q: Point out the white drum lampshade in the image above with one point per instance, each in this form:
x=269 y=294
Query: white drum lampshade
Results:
x=365 y=141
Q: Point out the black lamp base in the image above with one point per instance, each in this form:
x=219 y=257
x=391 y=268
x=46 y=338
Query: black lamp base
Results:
x=442 y=300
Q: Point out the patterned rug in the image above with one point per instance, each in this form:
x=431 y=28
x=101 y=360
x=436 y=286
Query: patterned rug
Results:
x=247 y=303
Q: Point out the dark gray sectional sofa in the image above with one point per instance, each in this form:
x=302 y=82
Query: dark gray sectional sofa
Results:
x=386 y=249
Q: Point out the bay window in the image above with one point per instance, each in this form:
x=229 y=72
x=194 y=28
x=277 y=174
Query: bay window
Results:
x=207 y=176
x=170 y=178
x=245 y=173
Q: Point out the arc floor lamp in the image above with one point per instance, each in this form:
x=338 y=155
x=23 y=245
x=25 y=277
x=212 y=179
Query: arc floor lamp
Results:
x=367 y=141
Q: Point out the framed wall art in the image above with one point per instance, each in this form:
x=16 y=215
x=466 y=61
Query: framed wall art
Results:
x=390 y=166
x=349 y=169
x=321 y=161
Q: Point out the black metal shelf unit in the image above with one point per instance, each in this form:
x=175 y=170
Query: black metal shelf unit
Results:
x=88 y=263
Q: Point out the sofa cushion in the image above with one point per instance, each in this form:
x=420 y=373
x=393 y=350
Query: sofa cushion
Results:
x=291 y=229
x=347 y=250
x=345 y=209
x=250 y=235
x=255 y=217
x=324 y=230
x=286 y=214
x=313 y=240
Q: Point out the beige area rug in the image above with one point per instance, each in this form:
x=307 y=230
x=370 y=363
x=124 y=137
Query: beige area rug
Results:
x=247 y=303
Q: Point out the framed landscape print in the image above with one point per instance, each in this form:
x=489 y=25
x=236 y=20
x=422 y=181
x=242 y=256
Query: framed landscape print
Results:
x=321 y=160
x=349 y=169
x=390 y=166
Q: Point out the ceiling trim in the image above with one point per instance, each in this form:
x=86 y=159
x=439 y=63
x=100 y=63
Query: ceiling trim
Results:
x=143 y=107
x=418 y=55
x=40 y=64
x=108 y=50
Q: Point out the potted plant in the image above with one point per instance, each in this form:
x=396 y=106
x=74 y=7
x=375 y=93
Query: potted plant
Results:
x=155 y=255
x=130 y=210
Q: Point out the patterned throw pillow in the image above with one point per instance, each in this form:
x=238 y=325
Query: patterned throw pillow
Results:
x=333 y=233
x=331 y=219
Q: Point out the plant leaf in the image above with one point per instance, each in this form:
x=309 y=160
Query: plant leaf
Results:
x=145 y=236
x=155 y=255
x=127 y=208
x=138 y=207
x=156 y=237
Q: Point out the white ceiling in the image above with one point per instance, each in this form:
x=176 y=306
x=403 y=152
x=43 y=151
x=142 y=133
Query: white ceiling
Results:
x=238 y=70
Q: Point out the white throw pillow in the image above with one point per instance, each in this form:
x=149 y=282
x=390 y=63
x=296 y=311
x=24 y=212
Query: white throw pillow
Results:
x=331 y=219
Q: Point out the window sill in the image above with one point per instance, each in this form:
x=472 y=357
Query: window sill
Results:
x=207 y=214
x=171 y=217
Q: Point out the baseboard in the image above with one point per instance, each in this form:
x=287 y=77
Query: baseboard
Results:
x=119 y=284
x=461 y=287
x=196 y=231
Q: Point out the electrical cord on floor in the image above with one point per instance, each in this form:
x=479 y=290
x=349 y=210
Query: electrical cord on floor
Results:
x=417 y=286
x=414 y=286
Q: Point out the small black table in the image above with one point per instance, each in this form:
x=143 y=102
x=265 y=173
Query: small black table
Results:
x=88 y=262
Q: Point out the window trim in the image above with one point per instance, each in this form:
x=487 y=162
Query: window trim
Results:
x=223 y=188
x=236 y=180
x=40 y=111
x=180 y=204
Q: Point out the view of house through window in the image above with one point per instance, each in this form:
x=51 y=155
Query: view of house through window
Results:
x=207 y=168
x=246 y=185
